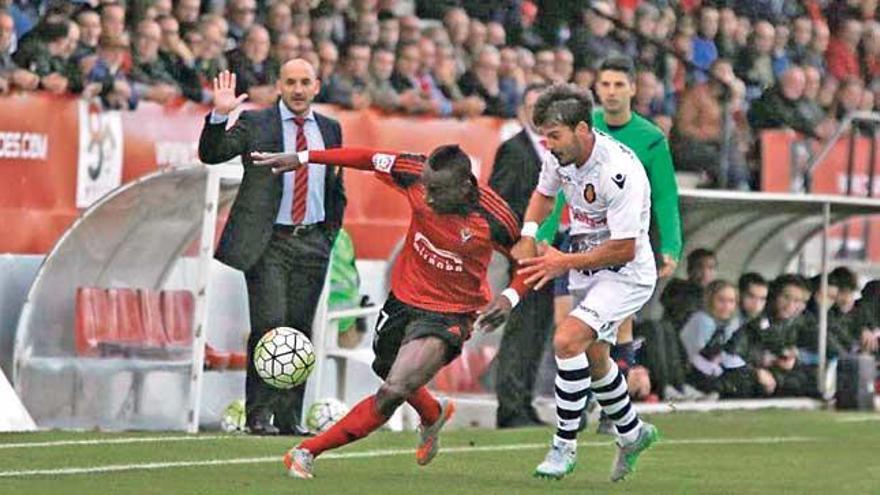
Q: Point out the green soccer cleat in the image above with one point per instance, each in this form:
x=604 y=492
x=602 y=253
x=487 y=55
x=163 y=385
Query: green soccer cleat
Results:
x=559 y=461
x=627 y=455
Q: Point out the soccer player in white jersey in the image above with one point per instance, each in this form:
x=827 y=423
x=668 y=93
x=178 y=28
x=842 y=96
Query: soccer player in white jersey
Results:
x=610 y=267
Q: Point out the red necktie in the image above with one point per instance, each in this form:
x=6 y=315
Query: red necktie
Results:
x=301 y=179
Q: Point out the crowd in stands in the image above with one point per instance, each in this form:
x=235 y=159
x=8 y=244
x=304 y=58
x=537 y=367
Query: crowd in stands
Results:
x=756 y=337
x=773 y=64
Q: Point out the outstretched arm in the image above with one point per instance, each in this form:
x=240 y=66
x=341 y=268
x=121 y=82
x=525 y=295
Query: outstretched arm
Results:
x=360 y=158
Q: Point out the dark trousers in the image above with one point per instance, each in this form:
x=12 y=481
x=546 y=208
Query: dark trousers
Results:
x=519 y=356
x=283 y=290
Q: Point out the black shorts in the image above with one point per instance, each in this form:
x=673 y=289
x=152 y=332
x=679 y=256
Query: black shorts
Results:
x=400 y=323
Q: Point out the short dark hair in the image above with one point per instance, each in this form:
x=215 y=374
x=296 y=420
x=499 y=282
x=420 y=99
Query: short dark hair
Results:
x=619 y=63
x=698 y=254
x=749 y=279
x=781 y=282
x=449 y=157
x=564 y=104
x=843 y=278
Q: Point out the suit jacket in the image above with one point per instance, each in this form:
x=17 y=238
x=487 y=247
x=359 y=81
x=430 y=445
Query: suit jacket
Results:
x=253 y=214
x=515 y=172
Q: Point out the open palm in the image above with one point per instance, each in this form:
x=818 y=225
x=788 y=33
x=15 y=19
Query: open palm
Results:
x=225 y=100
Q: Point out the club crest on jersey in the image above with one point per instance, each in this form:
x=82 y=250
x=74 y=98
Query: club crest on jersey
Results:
x=619 y=179
x=383 y=162
x=590 y=193
x=466 y=234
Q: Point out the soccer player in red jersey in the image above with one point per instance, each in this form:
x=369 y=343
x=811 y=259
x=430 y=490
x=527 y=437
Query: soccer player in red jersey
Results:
x=439 y=287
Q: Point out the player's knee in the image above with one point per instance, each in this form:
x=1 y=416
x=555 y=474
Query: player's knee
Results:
x=390 y=396
x=569 y=340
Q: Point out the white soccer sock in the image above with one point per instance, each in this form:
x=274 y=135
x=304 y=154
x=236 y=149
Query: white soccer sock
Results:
x=572 y=387
x=613 y=396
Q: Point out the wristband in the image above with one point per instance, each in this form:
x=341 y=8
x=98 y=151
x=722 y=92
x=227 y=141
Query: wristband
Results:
x=511 y=296
x=529 y=229
x=303 y=156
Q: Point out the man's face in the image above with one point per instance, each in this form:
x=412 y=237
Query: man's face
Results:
x=298 y=85
x=563 y=141
x=187 y=11
x=287 y=48
x=148 y=38
x=448 y=192
x=705 y=271
x=754 y=299
x=329 y=57
x=90 y=27
x=615 y=91
x=7 y=29
x=845 y=299
x=213 y=41
x=389 y=32
x=256 y=46
x=359 y=61
x=724 y=303
x=544 y=64
x=113 y=20
x=243 y=13
x=170 y=33
x=382 y=64
x=527 y=109
x=408 y=62
x=790 y=302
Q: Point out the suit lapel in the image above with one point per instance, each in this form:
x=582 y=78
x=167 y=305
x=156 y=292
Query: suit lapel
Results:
x=526 y=141
x=275 y=129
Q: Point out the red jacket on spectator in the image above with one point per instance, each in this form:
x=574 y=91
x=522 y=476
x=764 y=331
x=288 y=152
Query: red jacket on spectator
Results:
x=842 y=61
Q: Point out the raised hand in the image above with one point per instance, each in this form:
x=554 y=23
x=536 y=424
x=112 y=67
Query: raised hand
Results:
x=280 y=162
x=225 y=100
x=549 y=264
x=494 y=315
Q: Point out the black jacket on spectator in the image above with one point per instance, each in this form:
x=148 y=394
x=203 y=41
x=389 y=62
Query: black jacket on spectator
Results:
x=249 y=74
x=185 y=76
x=773 y=111
x=515 y=173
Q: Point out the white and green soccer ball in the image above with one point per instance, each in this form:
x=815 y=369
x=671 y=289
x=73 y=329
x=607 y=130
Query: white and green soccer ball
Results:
x=233 y=419
x=284 y=357
x=325 y=413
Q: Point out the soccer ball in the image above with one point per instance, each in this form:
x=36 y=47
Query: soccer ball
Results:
x=284 y=357
x=233 y=419
x=325 y=413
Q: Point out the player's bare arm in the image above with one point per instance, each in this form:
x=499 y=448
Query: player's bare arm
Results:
x=540 y=206
x=551 y=263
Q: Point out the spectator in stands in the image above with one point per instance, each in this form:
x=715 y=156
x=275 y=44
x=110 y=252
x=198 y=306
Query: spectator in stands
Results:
x=591 y=40
x=839 y=342
x=366 y=30
x=809 y=107
x=525 y=59
x=382 y=92
x=11 y=75
x=90 y=31
x=476 y=39
x=389 y=30
x=113 y=19
x=328 y=55
x=780 y=106
x=180 y=61
x=286 y=48
x=563 y=64
x=495 y=34
x=410 y=29
x=107 y=78
x=511 y=77
x=545 y=66
x=482 y=81
x=649 y=101
x=153 y=80
x=848 y=97
x=241 y=15
x=725 y=40
x=681 y=298
x=350 y=88
x=46 y=55
x=752 y=296
x=279 y=20
x=841 y=313
x=842 y=56
x=815 y=56
x=211 y=61
x=697 y=133
x=801 y=35
x=255 y=72
x=770 y=342
x=780 y=56
x=754 y=63
x=704 y=50
x=301 y=25
x=867 y=317
x=187 y=13
x=709 y=339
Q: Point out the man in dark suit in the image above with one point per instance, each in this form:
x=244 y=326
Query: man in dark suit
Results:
x=281 y=227
x=514 y=177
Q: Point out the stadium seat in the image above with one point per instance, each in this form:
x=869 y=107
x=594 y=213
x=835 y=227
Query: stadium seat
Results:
x=92 y=320
x=129 y=322
x=177 y=316
x=151 y=318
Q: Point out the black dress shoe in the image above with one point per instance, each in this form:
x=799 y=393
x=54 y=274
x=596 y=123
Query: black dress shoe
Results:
x=263 y=429
x=297 y=431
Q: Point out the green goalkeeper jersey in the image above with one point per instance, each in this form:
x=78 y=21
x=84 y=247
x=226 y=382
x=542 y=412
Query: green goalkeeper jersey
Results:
x=652 y=148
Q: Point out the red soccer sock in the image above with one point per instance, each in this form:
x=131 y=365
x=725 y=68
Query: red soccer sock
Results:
x=426 y=405
x=363 y=419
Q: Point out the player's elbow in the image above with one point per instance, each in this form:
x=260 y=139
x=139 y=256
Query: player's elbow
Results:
x=626 y=250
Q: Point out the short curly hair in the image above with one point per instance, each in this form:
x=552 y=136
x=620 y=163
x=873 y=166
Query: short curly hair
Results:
x=564 y=104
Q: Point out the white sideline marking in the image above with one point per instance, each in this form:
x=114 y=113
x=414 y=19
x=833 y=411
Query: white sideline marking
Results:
x=859 y=419
x=110 y=441
x=367 y=454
